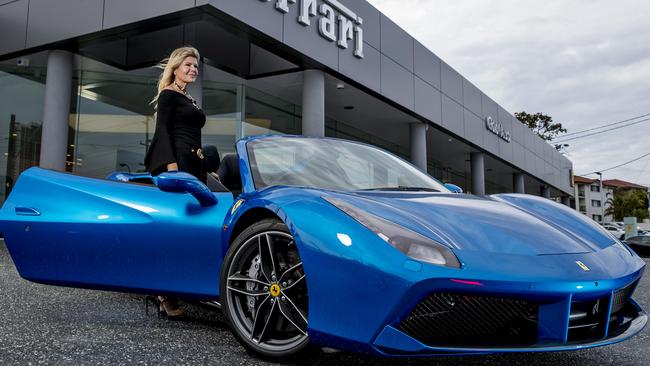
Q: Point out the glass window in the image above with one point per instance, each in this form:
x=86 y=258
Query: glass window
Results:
x=595 y=188
x=114 y=120
x=595 y=203
x=267 y=114
x=598 y=218
x=222 y=106
x=22 y=92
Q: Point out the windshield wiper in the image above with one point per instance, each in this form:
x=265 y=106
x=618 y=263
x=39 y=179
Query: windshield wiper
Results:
x=403 y=188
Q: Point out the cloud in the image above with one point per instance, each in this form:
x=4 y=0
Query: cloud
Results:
x=584 y=62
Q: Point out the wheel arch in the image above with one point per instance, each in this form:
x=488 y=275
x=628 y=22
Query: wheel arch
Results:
x=247 y=218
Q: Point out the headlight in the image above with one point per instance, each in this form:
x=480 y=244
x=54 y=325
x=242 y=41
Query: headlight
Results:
x=406 y=241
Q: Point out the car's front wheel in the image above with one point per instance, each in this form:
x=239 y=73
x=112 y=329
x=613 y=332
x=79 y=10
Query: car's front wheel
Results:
x=264 y=291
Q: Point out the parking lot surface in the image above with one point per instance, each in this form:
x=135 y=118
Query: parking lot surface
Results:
x=53 y=325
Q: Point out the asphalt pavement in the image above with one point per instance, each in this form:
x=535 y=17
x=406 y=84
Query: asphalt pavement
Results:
x=42 y=325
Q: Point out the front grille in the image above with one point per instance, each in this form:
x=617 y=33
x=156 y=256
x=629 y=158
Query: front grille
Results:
x=622 y=315
x=588 y=318
x=472 y=320
x=621 y=297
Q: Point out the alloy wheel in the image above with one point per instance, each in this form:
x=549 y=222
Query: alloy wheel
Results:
x=266 y=293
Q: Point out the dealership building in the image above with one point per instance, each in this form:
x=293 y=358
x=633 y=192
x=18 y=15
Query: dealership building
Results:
x=77 y=78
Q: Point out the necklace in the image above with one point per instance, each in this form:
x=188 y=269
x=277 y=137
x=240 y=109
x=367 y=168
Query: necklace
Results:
x=185 y=93
x=183 y=90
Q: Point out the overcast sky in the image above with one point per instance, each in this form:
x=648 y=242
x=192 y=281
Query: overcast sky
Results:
x=583 y=62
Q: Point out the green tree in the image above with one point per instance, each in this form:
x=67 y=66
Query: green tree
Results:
x=542 y=125
x=628 y=203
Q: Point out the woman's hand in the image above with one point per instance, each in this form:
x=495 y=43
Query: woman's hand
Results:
x=172 y=167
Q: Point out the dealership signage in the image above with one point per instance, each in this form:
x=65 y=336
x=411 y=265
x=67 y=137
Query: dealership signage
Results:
x=497 y=128
x=336 y=23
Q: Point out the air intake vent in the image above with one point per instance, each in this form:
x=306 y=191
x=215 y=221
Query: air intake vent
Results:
x=472 y=320
x=622 y=296
x=622 y=311
x=587 y=319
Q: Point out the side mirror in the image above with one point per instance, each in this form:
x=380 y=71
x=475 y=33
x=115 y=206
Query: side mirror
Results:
x=453 y=188
x=181 y=182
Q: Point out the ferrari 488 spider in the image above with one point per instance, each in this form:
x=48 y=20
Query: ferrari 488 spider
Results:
x=337 y=244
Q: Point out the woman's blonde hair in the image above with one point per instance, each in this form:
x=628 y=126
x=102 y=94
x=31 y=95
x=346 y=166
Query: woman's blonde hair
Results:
x=170 y=64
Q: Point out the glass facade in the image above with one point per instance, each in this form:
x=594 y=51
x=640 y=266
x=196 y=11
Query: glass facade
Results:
x=222 y=104
x=112 y=118
x=113 y=122
x=22 y=91
x=266 y=114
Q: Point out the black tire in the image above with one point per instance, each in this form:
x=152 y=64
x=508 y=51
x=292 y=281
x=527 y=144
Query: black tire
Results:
x=264 y=292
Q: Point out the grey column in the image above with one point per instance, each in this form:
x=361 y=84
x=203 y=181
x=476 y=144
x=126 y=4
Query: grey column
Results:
x=419 y=145
x=313 y=103
x=478 y=173
x=518 y=180
x=196 y=88
x=566 y=200
x=546 y=192
x=56 y=112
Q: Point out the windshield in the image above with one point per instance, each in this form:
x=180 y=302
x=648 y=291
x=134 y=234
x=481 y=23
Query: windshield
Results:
x=332 y=164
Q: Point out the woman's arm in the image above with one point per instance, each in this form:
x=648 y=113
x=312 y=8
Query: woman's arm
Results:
x=165 y=130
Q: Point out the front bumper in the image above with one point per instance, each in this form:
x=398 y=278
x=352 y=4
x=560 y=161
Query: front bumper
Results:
x=629 y=320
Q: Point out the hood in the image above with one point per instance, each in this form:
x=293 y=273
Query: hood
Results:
x=485 y=224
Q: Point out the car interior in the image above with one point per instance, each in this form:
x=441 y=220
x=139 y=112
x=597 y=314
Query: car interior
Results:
x=224 y=176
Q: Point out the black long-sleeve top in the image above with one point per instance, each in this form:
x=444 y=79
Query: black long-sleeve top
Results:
x=178 y=129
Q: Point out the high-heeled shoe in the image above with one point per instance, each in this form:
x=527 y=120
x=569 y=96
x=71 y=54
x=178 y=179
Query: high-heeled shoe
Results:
x=168 y=307
x=154 y=300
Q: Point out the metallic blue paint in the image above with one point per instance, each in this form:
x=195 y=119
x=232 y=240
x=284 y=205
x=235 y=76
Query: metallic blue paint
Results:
x=112 y=235
x=129 y=237
x=181 y=182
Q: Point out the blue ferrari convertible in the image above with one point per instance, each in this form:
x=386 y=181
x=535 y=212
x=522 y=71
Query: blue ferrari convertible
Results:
x=337 y=244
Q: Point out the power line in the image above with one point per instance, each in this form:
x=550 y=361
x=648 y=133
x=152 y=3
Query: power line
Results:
x=603 y=131
x=604 y=125
x=642 y=171
x=618 y=166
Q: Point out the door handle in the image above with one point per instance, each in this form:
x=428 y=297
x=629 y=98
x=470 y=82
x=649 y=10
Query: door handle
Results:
x=27 y=211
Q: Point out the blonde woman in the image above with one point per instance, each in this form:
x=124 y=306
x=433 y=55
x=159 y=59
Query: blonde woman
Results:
x=177 y=141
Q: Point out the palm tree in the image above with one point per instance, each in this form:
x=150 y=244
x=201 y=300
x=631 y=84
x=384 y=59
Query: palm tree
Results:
x=627 y=203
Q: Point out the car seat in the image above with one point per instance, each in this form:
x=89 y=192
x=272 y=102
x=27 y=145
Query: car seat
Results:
x=229 y=173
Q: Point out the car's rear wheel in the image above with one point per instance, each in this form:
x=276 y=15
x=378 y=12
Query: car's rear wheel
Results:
x=264 y=291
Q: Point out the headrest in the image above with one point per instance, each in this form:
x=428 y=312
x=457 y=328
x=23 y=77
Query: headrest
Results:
x=211 y=160
x=229 y=172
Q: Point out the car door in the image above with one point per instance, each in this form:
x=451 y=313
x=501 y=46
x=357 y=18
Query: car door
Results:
x=83 y=232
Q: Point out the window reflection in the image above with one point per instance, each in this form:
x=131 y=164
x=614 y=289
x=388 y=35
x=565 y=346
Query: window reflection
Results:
x=114 y=122
x=267 y=114
x=22 y=91
x=222 y=106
